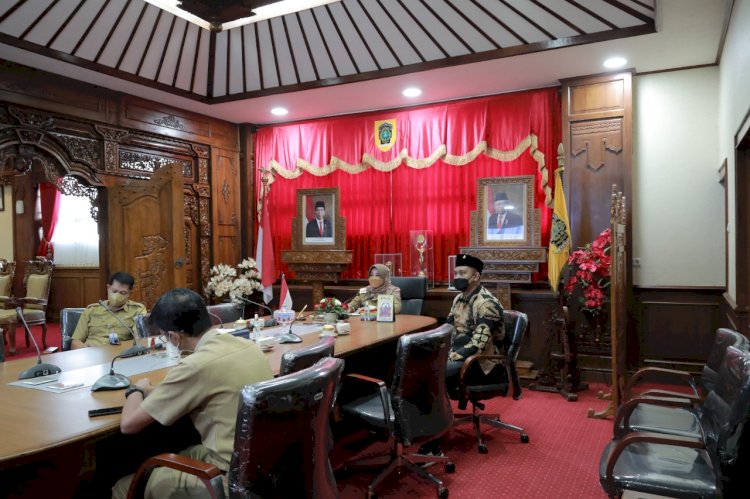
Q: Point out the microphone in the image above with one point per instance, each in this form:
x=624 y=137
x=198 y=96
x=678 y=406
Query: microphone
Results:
x=255 y=303
x=114 y=381
x=221 y=321
x=134 y=350
x=41 y=368
x=289 y=336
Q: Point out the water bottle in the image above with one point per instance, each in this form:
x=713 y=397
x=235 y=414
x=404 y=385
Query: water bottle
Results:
x=256 y=327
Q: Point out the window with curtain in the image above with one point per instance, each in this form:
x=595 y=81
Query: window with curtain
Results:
x=76 y=237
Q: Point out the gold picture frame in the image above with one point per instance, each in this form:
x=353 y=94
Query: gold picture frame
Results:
x=505 y=211
x=318 y=225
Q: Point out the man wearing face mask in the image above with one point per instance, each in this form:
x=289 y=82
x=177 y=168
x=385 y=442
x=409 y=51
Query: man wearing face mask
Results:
x=97 y=323
x=379 y=284
x=477 y=317
x=205 y=385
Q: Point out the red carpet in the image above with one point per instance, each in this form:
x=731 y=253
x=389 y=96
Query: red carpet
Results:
x=560 y=461
x=53 y=340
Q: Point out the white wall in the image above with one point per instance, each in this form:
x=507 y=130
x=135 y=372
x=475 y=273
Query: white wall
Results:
x=6 y=226
x=678 y=204
x=734 y=104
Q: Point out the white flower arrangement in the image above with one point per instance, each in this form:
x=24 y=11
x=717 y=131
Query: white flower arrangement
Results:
x=235 y=283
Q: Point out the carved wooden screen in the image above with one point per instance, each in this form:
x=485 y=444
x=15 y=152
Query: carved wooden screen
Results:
x=618 y=294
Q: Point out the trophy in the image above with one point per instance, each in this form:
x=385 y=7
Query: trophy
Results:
x=421 y=247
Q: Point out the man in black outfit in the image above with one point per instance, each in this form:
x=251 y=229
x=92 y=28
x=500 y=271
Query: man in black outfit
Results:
x=320 y=227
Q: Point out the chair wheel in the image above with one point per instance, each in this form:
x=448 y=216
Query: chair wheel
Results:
x=524 y=438
x=450 y=467
x=483 y=449
x=442 y=493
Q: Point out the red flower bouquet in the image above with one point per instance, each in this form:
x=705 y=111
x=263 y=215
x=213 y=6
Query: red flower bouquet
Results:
x=591 y=264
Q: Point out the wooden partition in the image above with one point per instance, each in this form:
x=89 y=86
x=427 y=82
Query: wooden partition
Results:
x=74 y=287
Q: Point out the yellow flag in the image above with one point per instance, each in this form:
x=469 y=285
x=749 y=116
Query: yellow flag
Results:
x=559 y=239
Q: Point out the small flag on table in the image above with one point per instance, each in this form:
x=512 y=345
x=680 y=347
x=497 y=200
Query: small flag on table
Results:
x=285 y=300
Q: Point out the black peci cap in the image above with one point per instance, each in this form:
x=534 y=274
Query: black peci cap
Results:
x=469 y=261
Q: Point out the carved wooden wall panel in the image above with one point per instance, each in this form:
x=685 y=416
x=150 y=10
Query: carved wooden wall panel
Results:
x=597 y=117
x=226 y=199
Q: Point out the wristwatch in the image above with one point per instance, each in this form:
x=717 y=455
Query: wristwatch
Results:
x=133 y=389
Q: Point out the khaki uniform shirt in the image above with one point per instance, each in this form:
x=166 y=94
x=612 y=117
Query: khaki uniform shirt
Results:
x=369 y=298
x=477 y=318
x=96 y=323
x=207 y=385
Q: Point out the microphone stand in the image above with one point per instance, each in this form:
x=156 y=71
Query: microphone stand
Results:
x=114 y=381
x=221 y=321
x=134 y=350
x=289 y=336
x=268 y=323
x=41 y=368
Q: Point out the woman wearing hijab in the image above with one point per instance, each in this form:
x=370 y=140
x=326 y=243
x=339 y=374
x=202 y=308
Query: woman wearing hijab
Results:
x=380 y=284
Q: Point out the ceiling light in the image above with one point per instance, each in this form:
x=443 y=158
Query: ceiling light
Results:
x=279 y=111
x=412 y=92
x=615 y=62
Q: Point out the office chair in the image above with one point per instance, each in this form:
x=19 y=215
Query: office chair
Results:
x=475 y=386
x=710 y=465
x=415 y=409
x=701 y=386
x=281 y=444
x=296 y=360
x=413 y=293
x=224 y=313
x=69 y=318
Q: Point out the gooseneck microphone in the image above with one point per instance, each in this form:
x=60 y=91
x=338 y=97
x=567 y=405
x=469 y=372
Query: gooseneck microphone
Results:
x=134 y=350
x=221 y=321
x=269 y=323
x=113 y=381
x=41 y=368
x=289 y=336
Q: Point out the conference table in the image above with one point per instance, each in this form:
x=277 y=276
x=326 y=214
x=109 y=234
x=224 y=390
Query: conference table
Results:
x=36 y=421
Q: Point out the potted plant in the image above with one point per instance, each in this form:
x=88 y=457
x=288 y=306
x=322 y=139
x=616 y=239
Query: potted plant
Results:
x=234 y=284
x=332 y=310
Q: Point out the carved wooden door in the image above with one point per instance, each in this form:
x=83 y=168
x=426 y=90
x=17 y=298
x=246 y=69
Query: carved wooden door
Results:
x=146 y=225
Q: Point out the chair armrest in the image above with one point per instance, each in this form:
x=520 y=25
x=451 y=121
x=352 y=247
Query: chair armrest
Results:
x=32 y=301
x=510 y=367
x=626 y=410
x=203 y=471
x=671 y=394
x=379 y=385
x=651 y=371
x=9 y=299
x=645 y=437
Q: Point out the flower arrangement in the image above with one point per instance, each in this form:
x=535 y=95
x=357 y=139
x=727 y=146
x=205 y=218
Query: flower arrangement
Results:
x=592 y=273
x=332 y=306
x=235 y=283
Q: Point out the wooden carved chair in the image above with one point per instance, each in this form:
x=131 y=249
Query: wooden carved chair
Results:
x=37 y=280
x=7 y=308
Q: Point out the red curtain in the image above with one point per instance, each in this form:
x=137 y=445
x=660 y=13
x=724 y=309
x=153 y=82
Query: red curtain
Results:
x=49 y=198
x=382 y=207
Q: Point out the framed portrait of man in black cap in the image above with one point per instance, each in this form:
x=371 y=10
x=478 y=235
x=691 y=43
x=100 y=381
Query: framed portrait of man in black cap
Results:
x=505 y=209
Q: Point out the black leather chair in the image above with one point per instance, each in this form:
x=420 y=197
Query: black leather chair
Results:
x=281 y=443
x=475 y=386
x=68 y=321
x=699 y=386
x=296 y=360
x=413 y=293
x=415 y=409
x=224 y=313
x=713 y=465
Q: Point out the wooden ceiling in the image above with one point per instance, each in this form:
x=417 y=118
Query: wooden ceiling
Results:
x=340 y=42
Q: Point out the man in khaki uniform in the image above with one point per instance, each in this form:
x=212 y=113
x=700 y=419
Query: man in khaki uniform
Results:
x=96 y=322
x=206 y=385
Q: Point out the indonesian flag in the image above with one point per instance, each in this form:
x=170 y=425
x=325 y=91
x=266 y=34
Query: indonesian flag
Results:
x=285 y=300
x=264 y=254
